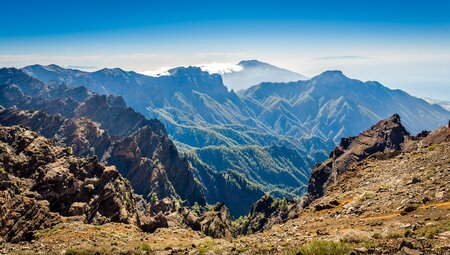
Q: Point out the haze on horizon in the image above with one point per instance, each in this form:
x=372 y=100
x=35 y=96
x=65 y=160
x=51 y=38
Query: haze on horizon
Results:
x=403 y=45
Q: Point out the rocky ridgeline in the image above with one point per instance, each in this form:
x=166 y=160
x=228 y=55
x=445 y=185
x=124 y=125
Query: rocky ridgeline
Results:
x=387 y=136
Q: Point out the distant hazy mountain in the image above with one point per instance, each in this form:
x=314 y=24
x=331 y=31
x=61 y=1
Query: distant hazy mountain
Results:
x=271 y=133
x=254 y=72
x=444 y=103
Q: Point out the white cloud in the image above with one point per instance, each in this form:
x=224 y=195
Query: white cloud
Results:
x=157 y=72
x=221 y=68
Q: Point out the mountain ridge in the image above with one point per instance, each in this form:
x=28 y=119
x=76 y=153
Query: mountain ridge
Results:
x=307 y=116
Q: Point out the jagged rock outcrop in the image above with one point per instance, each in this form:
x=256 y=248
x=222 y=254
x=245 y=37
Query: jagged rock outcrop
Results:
x=214 y=221
x=386 y=136
x=40 y=182
x=265 y=212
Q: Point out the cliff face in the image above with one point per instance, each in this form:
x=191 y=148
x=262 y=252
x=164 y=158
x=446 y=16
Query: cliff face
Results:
x=41 y=182
x=103 y=126
x=146 y=158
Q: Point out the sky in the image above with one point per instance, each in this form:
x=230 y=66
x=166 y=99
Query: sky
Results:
x=403 y=44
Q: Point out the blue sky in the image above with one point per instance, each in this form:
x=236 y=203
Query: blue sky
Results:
x=403 y=44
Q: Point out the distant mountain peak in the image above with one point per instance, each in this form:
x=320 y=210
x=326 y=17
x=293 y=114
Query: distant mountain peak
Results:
x=111 y=71
x=252 y=72
x=51 y=67
x=54 y=66
x=182 y=71
x=331 y=75
x=252 y=62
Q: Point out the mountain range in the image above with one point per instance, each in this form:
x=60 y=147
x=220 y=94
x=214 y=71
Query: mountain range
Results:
x=272 y=133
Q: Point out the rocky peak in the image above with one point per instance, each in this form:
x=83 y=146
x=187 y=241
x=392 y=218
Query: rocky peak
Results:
x=191 y=78
x=5 y=71
x=186 y=71
x=388 y=135
x=194 y=72
x=216 y=222
x=264 y=205
x=330 y=76
x=111 y=72
x=265 y=212
x=252 y=63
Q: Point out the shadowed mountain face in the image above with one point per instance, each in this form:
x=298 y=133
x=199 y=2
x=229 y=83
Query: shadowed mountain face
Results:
x=225 y=130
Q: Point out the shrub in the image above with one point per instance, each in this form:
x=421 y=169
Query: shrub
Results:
x=398 y=234
x=2 y=170
x=203 y=250
x=376 y=236
x=431 y=232
x=196 y=208
x=90 y=187
x=145 y=247
x=69 y=150
x=154 y=198
x=365 y=196
x=324 y=247
x=73 y=251
x=432 y=146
